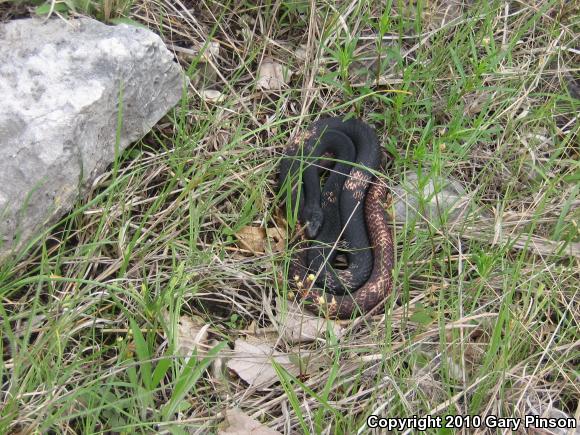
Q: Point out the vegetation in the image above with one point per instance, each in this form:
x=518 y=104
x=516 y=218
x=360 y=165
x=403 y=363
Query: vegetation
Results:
x=485 y=313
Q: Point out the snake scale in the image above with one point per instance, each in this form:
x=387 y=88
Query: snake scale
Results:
x=347 y=208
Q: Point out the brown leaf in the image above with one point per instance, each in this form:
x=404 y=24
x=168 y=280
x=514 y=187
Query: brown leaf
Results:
x=238 y=423
x=277 y=238
x=310 y=362
x=253 y=363
x=297 y=326
x=191 y=335
x=272 y=75
x=259 y=240
x=212 y=96
x=474 y=103
x=252 y=239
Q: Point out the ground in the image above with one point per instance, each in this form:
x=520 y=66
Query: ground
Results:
x=484 y=314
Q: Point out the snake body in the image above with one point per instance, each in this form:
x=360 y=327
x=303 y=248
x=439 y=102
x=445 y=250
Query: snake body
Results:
x=344 y=208
x=324 y=214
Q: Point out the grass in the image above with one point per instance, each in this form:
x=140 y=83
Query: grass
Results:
x=484 y=316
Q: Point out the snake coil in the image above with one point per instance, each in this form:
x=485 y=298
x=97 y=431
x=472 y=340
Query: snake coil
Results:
x=348 y=208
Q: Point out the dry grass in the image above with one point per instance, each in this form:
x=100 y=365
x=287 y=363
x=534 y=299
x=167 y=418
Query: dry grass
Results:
x=485 y=314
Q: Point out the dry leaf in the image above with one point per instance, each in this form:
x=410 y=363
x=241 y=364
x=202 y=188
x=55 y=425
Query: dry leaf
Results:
x=212 y=96
x=209 y=51
x=212 y=51
x=252 y=239
x=272 y=75
x=217 y=368
x=277 y=238
x=259 y=240
x=301 y=52
x=238 y=423
x=454 y=370
x=253 y=363
x=474 y=103
x=541 y=405
x=310 y=362
x=297 y=326
x=191 y=335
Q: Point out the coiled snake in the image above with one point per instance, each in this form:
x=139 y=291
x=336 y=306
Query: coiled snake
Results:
x=345 y=208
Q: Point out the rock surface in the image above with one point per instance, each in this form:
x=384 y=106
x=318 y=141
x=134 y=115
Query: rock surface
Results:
x=444 y=200
x=61 y=83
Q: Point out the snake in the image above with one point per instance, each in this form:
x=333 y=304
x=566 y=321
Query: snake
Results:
x=319 y=209
x=344 y=208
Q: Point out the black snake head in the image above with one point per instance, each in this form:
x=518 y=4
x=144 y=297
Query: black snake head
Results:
x=314 y=223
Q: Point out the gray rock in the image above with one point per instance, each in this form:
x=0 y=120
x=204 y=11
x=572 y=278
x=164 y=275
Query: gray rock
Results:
x=438 y=201
x=61 y=83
